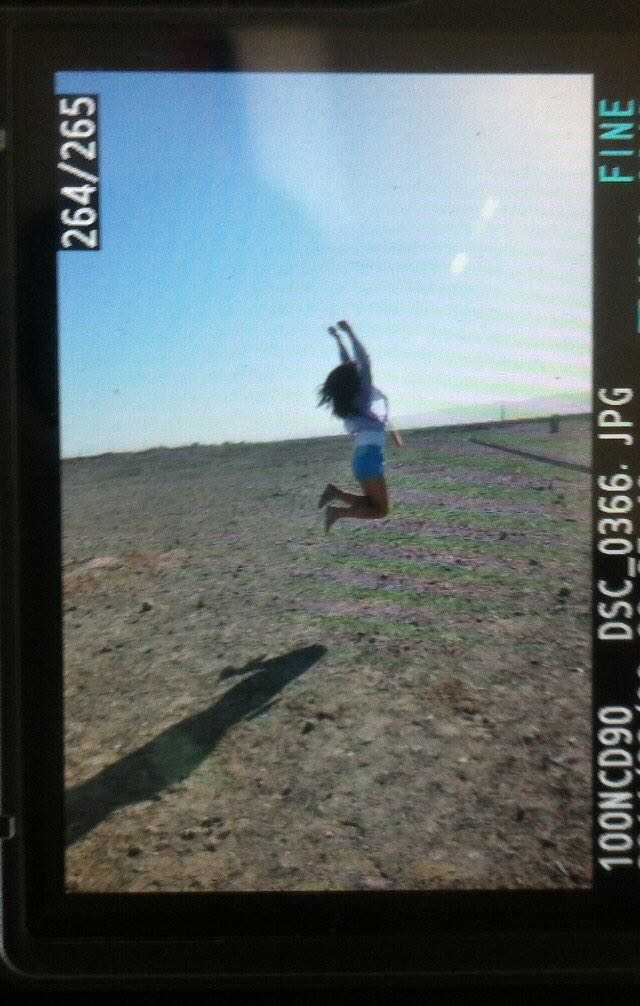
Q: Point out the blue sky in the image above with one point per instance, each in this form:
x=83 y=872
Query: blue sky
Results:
x=447 y=217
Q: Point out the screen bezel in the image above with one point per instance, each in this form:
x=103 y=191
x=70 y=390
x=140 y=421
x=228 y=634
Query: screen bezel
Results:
x=33 y=617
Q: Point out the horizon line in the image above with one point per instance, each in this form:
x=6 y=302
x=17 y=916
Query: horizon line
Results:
x=477 y=424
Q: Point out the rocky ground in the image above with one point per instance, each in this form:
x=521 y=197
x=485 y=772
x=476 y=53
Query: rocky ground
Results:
x=251 y=704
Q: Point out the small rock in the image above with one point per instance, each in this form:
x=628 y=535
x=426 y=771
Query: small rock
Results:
x=530 y=734
x=533 y=562
x=548 y=843
x=564 y=592
x=375 y=883
x=188 y=834
x=502 y=535
x=104 y=562
x=105 y=649
x=467 y=707
x=145 y=606
x=133 y=851
x=534 y=661
x=308 y=727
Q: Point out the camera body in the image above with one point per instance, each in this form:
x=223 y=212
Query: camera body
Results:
x=408 y=748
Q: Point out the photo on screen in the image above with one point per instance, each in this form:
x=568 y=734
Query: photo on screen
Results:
x=344 y=644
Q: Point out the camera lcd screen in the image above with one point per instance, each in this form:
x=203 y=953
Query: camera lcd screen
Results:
x=257 y=698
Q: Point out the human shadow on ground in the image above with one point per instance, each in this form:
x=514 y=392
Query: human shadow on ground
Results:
x=172 y=756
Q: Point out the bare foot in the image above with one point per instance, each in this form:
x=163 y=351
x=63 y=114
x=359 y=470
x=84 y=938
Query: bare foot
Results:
x=327 y=495
x=331 y=515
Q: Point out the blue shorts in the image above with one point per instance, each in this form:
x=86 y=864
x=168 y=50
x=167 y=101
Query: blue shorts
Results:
x=368 y=462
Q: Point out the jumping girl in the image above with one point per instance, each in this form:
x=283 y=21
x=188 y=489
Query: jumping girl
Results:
x=350 y=392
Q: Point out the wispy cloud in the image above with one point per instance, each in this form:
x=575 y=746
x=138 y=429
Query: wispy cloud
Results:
x=489 y=207
x=487 y=212
x=459 y=263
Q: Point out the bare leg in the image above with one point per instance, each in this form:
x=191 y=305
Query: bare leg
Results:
x=373 y=505
x=333 y=493
x=363 y=510
x=354 y=498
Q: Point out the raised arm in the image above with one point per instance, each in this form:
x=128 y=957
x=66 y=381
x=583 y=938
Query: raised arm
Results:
x=344 y=356
x=360 y=353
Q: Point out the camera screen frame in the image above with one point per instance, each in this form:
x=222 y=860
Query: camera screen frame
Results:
x=265 y=931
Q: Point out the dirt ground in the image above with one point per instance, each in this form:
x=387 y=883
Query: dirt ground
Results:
x=251 y=704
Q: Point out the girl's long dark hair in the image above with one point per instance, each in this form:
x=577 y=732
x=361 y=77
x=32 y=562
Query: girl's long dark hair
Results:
x=341 y=389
